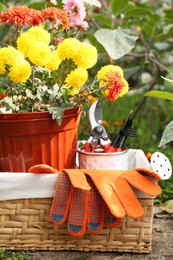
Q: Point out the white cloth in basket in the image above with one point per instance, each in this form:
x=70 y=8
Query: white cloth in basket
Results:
x=27 y=185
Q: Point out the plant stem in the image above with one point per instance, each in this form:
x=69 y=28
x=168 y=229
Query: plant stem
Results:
x=33 y=85
x=142 y=102
x=90 y=93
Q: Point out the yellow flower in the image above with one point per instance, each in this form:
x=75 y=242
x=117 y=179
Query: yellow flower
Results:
x=40 y=54
x=20 y=72
x=54 y=61
x=39 y=34
x=102 y=73
x=25 y=42
x=2 y=68
x=76 y=79
x=30 y=39
x=9 y=55
x=86 y=57
x=125 y=89
x=68 y=48
x=91 y=98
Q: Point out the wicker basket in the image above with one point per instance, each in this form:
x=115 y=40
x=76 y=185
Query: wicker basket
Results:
x=24 y=225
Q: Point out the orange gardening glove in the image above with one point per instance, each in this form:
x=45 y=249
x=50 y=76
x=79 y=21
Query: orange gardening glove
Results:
x=42 y=168
x=77 y=197
x=77 y=219
x=102 y=179
x=115 y=189
x=98 y=212
x=71 y=198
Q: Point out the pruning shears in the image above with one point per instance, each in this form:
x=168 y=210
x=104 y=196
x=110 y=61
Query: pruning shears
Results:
x=98 y=135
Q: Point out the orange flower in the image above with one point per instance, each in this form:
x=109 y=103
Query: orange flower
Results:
x=21 y=16
x=58 y=16
x=118 y=122
x=2 y=95
x=148 y=155
x=91 y=98
x=117 y=86
x=105 y=123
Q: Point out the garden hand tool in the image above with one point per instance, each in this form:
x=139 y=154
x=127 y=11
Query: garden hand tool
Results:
x=98 y=136
x=125 y=131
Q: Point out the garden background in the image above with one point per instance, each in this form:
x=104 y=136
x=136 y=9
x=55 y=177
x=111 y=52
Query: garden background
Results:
x=138 y=36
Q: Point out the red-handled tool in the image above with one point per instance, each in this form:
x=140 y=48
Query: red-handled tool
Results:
x=98 y=136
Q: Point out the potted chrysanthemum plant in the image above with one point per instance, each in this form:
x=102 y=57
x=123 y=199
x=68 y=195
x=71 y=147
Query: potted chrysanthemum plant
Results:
x=44 y=75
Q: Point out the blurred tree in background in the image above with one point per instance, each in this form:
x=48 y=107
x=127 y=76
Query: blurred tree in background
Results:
x=138 y=36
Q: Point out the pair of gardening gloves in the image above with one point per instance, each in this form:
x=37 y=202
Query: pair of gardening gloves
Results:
x=90 y=198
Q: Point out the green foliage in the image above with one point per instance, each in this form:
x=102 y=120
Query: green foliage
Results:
x=116 y=42
x=118 y=6
x=57 y=113
x=167 y=134
x=9 y=255
x=160 y=94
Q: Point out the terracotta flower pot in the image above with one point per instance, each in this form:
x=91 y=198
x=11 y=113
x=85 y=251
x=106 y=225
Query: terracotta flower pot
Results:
x=27 y=139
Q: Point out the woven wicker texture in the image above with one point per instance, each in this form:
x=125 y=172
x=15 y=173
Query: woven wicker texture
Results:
x=24 y=225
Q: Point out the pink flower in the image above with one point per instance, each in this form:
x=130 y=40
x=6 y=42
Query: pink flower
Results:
x=58 y=40
x=82 y=25
x=77 y=12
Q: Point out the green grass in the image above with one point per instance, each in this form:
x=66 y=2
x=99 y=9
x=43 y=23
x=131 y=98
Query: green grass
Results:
x=10 y=255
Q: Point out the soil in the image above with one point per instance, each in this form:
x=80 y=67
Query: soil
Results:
x=162 y=247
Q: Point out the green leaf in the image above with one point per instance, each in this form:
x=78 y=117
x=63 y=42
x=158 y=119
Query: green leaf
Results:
x=57 y=114
x=93 y=2
x=3 y=7
x=138 y=11
x=169 y=80
x=128 y=72
x=160 y=94
x=118 y=6
x=117 y=42
x=4 y=30
x=37 y=4
x=105 y=20
x=167 y=135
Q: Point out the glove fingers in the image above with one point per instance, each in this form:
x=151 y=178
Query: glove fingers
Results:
x=102 y=181
x=78 y=179
x=111 y=220
x=96 y=209
x=78 y=212
x=42 y=168
x=142 y=183
x=148 y=172
x=61 y=201
x=127 y=198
